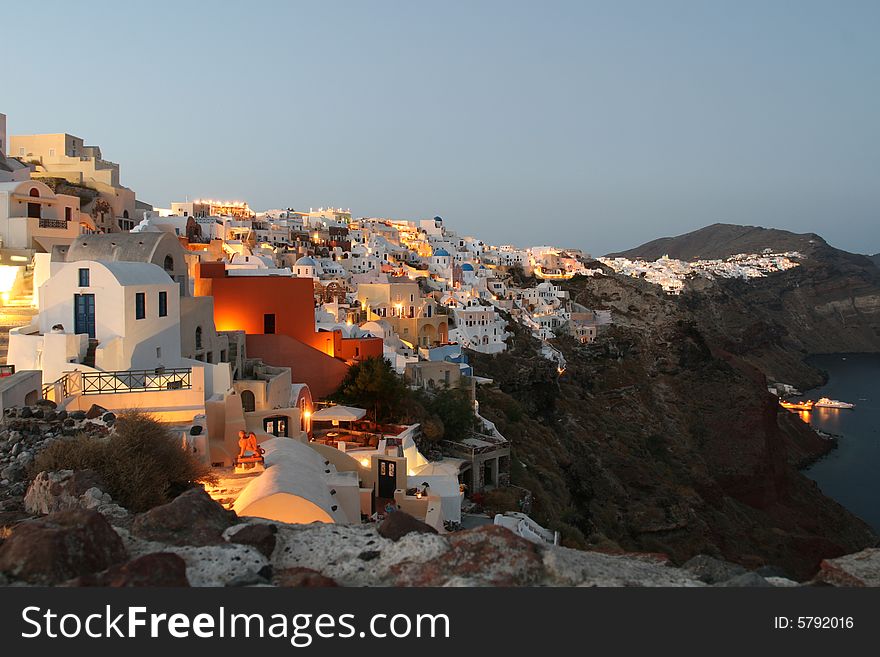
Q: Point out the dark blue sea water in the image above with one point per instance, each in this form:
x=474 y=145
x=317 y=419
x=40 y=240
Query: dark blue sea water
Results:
x=851 y=473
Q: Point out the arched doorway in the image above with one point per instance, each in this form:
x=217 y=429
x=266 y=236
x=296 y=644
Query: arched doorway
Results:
x=248 y=401
x=33 y=209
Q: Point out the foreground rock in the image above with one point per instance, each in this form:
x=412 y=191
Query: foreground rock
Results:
x=859 y=569
x=398 y=525
x=159 y=569
x=193 y=518
x=61 y=546
x=65 y=489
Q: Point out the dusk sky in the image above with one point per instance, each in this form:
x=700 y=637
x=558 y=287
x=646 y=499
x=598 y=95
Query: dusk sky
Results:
x=592 y=125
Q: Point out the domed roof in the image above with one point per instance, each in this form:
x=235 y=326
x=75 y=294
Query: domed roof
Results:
x=441 y=253
x=440 y=219
x=467 y=267
x=306 y=261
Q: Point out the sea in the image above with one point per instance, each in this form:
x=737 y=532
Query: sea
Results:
x=850 y=474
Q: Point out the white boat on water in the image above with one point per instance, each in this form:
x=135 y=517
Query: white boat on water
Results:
x=832 y=403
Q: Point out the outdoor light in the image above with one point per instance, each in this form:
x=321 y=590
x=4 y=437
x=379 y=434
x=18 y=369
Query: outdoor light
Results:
x=365 y=462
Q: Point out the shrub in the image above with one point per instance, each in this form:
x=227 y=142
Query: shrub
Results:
x=141 y=462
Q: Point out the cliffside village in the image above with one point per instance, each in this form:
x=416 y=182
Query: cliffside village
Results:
x=234 y=326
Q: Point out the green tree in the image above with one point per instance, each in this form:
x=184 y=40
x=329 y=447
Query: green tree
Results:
x=373 y=385
x=454 y=409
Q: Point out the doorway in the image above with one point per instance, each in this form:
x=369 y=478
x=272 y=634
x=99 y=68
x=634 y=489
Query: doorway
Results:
x=84 y=314
x=387 y=479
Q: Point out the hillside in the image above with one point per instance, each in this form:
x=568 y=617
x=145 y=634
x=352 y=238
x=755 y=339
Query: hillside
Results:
x=875 y=259
x=723 y=240
x=661 y=435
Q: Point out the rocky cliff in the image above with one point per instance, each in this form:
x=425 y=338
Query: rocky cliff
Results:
x=661 y=435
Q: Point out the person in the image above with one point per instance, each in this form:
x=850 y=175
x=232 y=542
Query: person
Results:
x=390 y=508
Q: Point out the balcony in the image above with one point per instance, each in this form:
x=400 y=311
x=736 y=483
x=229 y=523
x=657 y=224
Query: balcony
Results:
x=60 y=224
x=97 y=383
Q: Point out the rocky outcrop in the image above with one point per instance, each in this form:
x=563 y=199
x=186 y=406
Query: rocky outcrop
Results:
x=80 y=548
x=65 y=489
x=860 y=569
x=193 y=518
x=158 y=569
x=61 y=546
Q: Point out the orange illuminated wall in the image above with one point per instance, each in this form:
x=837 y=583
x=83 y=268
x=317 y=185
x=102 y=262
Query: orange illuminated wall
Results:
x=241 y=303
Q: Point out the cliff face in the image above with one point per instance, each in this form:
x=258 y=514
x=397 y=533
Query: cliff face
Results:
x=661 y=436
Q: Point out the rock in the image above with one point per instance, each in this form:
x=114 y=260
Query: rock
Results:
x=772 y=571
x=61 y=546
x=12 y=473
x=25 y=412
x=398 y=524
x=568 y=567
x=488 y=556
x=251 y=578
x=95 y=412
x=858 y=569
x=260 y=535
x=109 y=418
x=46 y=404
x=302 y=577
x=76 y=415
x=193 y=518
x=62 y=490
x=61 y=415
x=217 y=565
x=711 y=570
x=748 y=579
x=157 y=569
x=25 y=458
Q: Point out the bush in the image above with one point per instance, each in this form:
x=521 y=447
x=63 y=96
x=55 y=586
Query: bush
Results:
x=141 y=463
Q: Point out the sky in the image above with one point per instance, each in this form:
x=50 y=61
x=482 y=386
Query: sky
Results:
x=593 y=125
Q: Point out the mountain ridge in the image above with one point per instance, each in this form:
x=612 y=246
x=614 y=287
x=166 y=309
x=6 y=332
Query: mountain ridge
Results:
x=722 y=240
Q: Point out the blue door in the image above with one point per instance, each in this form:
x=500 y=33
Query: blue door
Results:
x=84 y=314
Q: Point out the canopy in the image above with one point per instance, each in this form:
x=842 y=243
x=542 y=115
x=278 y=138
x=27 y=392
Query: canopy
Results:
x=338 y=413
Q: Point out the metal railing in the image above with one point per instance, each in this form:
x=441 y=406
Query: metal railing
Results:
x=97 y=383
x=53 y=223
x=57 y=391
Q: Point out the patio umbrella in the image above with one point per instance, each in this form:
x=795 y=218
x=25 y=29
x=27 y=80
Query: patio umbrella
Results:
x=339 y=413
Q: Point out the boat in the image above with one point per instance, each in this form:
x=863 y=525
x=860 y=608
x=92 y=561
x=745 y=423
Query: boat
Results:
x=824 y=402
x=797 y=406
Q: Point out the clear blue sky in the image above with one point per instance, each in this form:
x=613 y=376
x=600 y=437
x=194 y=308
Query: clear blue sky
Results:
x=597 y=125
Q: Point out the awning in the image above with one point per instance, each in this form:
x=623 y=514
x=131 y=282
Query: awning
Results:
x=338 y=413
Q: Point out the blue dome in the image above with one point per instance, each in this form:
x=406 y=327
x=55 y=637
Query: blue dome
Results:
x=441 y=253
x=467 y=267
x=306 y=261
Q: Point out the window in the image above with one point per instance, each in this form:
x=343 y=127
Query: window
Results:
x=198 y=337
x=140 y=305
x=83 y=277
x=168 y=263
x=269 y=323
x=248 y=401
x=163 y=304
x=68 y=214
x=158 y=352
x=51 y=152
x=21 y=151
